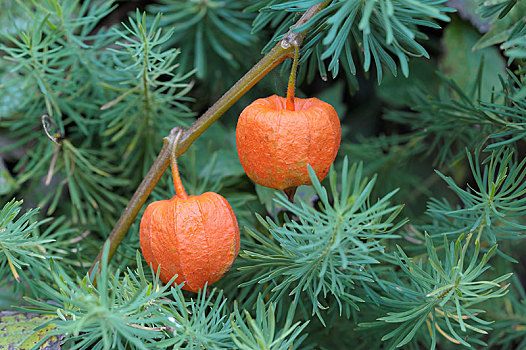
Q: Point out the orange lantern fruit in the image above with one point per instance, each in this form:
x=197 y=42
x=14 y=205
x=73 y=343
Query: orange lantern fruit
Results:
x=277 y=138
x=193 y=237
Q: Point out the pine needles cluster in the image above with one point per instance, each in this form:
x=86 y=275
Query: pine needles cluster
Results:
x=414 y=239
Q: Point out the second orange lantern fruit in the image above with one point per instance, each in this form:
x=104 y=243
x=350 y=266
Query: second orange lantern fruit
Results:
x=193 y=237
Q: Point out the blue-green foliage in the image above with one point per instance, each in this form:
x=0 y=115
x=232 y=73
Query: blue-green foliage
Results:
x=509 y=28
x=492 y=207
x=441 y=292
x=17 y=245
x=263 y=332
x=151 y=91
x=212 y=35
x=320 y=253
x=454 y=119
x=374 y=31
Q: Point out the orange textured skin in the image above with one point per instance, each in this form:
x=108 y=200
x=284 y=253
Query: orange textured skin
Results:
x=195 y=238
x=275 y=145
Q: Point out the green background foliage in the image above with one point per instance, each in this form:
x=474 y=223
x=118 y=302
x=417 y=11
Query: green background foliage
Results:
x=413 y=240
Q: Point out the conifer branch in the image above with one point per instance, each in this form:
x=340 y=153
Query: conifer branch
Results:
x=280 y=52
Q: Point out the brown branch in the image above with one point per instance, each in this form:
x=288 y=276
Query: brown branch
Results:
x=280 y=52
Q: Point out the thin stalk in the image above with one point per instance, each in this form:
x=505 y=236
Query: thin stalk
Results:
x=178 y=185
x=179 y=188
x=292 y=79
x=280 y=52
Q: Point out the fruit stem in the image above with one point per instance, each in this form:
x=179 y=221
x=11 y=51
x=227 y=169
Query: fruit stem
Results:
x=178 y=184
x=179 y=189
x=292 y=78
x=290 y=192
